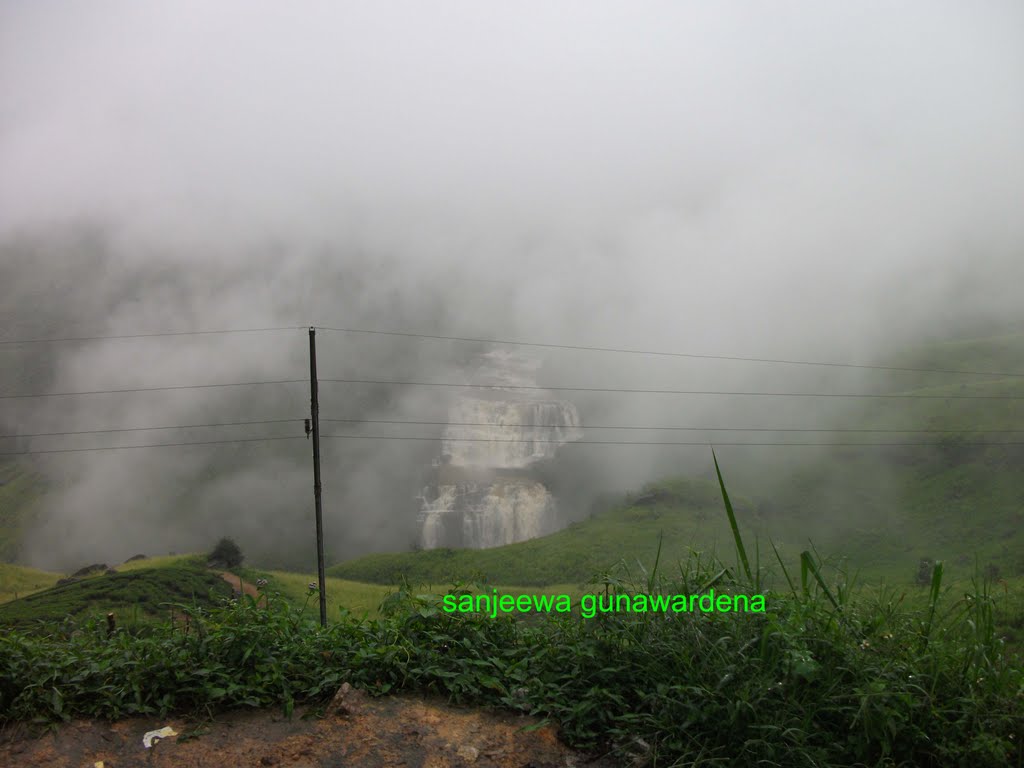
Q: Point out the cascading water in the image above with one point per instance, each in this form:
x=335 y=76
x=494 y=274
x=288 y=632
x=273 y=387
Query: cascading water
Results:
x=483 y=494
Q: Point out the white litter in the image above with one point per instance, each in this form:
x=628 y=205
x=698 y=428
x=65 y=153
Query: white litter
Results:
x=153 y=737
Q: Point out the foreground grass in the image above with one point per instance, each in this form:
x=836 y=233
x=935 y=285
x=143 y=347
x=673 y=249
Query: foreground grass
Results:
x=825 y=676
x=808 y=682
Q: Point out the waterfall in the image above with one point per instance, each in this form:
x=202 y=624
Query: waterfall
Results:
x=482 y=493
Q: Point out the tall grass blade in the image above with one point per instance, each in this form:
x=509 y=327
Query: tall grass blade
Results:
x=785 y=571
x=804 y=573
x=724 y=573
x=807 y=564
x=757 y=565
x=657 y=559
x=933 y=599
x=740 y=550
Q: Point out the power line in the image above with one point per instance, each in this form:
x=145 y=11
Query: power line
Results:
x=543 y=345
x=671 y=391
x=675 y=429
x=152 y=445
x=147 y=429
x=151 y=335
x=514 y=387
x=658 y=353
x=510 y=426
x=154 y=389
x=708 y=444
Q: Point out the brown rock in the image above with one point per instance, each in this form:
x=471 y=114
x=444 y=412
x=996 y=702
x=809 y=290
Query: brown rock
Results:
x=347 y=701
x=468 y=753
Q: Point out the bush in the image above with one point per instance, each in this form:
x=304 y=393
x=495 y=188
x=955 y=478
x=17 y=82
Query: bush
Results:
x=226 y=554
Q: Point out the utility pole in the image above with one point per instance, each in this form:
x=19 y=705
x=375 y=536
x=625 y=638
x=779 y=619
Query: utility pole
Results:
x=315 y=415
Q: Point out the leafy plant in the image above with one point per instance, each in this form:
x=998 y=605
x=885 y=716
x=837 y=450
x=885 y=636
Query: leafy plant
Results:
x=818 y=679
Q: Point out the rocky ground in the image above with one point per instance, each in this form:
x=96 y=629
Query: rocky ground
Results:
x=402 y=731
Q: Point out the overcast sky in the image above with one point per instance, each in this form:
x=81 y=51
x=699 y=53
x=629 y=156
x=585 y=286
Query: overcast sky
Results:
x=681 y=149
x=793 y=179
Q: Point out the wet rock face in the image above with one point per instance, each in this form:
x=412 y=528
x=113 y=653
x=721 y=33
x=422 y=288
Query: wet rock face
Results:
x=488 y=515
x=504 y=444
x=483 y=493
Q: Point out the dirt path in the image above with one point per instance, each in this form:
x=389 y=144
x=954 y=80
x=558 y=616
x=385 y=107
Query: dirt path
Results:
x=401 y=731
x=238 y=584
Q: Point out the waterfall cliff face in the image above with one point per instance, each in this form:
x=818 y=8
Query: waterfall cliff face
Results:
x=482 y=493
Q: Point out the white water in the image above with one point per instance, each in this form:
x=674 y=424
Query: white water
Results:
x=507 y=434
x=484 y=496
x=471 y=515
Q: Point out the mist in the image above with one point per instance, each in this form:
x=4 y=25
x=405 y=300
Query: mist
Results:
x=807 y=183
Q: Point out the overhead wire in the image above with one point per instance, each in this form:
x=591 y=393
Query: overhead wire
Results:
x=660 y=353
x=113 y=337
x=151 y=389
x=147 y=429
x=903 y=396
x=625 y=390
x=152 y=445
x=511 y=342
x=705 y=443
x=653 y=428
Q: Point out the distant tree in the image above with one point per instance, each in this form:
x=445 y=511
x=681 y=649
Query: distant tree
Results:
x=226 y=554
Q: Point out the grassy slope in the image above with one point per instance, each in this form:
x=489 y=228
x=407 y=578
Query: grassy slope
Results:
x=884 y=509
x=134 y=595
x=969 y=514
x=572 y=555
x=18 y=581
x=887 y=509
x=20 y=491
x=140 y=586
x=954 y=504
x=359 y=598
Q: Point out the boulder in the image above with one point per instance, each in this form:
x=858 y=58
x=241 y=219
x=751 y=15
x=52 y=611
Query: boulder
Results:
x=90 y=569
x=346 y=702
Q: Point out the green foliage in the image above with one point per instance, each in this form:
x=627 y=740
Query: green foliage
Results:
x=819 y=679
x=227 y=553
x=138 y=594
x=793 y=686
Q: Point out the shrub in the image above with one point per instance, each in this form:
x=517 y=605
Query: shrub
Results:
x=226 y=554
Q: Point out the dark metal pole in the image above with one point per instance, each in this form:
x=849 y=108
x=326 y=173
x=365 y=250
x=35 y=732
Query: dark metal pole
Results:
x=315 y=414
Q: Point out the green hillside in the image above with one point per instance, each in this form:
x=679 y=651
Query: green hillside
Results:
x=135 y=595
x=883 y=508
x=20 y=491
x=18 y=581
x=996 y=354
x=686 y=511
x=969 y=515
